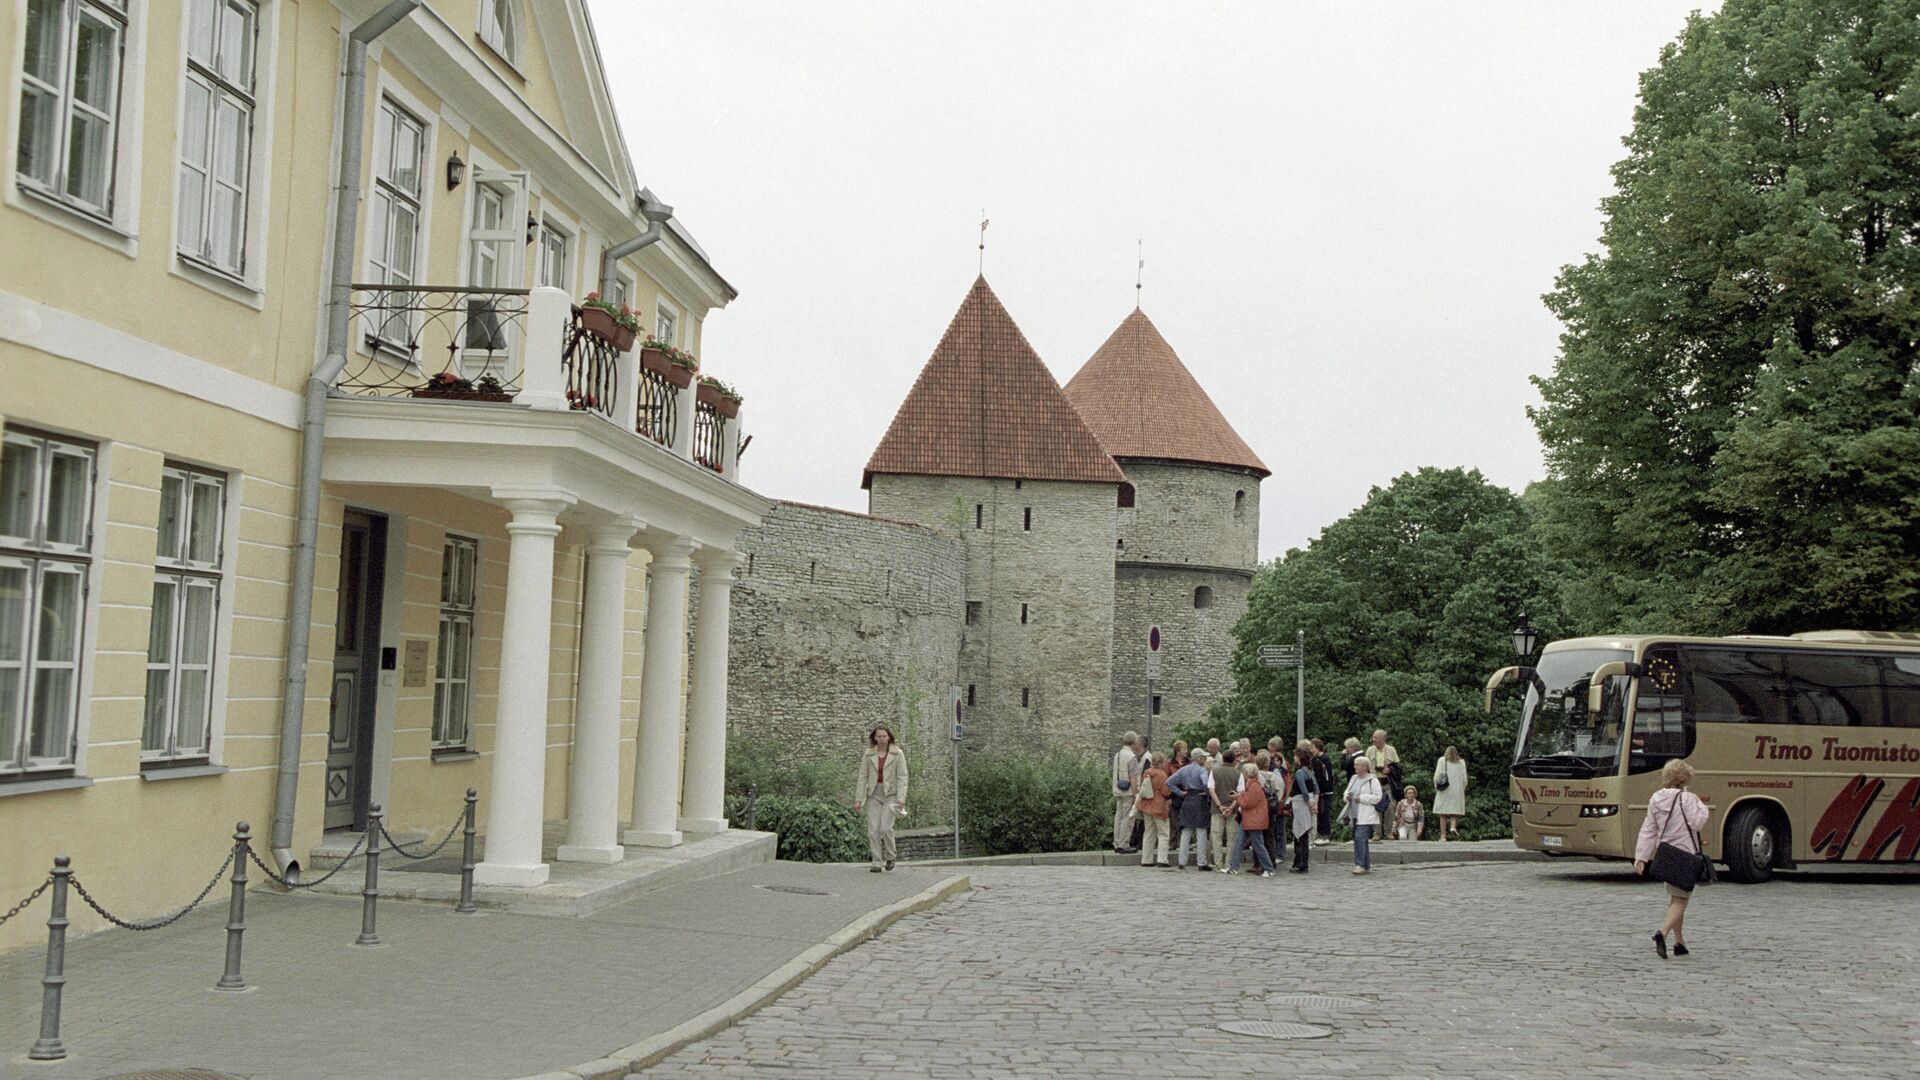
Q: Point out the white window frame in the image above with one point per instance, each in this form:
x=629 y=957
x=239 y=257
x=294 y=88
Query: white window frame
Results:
x=216 y=77
x=666 y=318
x=552 y=229
x=65 y=107
x=459 y=606
x=36 y=556
x=177 y=567
x=505 y=44
x=385 y=189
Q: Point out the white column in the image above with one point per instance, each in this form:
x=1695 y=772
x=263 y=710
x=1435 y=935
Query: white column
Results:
x=656 y=761
x=542 y=383
x=684 y=406
x=516 y=801
x=707 y=704
x=593 y=789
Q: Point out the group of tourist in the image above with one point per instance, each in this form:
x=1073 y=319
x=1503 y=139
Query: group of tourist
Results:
x=1209 y=808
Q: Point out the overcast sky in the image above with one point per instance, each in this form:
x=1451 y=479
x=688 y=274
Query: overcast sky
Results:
x=1350 y=211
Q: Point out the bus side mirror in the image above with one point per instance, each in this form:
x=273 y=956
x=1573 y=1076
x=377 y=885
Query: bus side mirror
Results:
x=1597 y=684
x=1503 y=676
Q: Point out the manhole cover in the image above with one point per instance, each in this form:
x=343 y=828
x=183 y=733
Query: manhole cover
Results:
x=173 y=1074
x=802 y=890
x=1319 y=1002
x=1275 y=1029
x=1662 y=1056
x=1670 y=1027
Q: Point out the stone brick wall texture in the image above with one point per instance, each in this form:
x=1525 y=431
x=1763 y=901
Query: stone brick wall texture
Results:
x=1040 y=547
x=840 y=622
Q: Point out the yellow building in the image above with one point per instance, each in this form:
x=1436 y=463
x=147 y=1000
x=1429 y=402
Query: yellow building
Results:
x=242 y=425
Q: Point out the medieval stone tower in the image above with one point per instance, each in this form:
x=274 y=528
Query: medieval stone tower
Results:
x=1188 y=525
x=988 y=448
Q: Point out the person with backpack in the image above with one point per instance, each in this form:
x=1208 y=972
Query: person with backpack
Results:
x=1151 y=805
x=1222 y=784
x=1307 y=805
x=1191 y=809
x=1251 y=801
x=1322 y=767
x=1273 y=777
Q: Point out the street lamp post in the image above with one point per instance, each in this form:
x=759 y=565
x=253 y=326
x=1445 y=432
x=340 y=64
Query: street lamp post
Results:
x=1295 y=657
x=1524 y=639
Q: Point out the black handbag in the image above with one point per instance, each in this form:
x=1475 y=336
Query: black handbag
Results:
x=1679 y=867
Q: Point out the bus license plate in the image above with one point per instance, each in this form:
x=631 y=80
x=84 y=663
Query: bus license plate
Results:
x=1552 y=841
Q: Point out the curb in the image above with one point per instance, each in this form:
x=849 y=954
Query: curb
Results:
x=651 y=1050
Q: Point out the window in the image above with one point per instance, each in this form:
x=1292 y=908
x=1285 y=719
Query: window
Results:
x=1156 y=704
x=453 y=668
x=1026 y=697
x=46 y=537
x=1126 y=497
x=70 y=100
x=979 y=514
x=1239 y=505
x=1737 y=686
x=1023 y=614
x=491 y=237
x=216 y=130
x=1823 y=688
x=969 y=695
x=1203 y=596
x=1026 y=519
x=1662 y=730
x=500 y=28
x=554 y=248
x=186 y=598
x=974 y=609
x=1903 y=691
x=665 y=323
x=393 y=214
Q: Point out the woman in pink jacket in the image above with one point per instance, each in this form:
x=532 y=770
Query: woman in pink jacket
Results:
x=1674 y=816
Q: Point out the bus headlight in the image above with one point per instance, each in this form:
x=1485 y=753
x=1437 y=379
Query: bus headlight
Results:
x=1592 y=811
x=1516 y=809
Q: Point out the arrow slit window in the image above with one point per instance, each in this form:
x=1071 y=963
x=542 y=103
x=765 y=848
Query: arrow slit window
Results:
x=1203 y=596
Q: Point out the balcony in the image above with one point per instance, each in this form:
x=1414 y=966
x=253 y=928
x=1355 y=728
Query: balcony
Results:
x=531 y=350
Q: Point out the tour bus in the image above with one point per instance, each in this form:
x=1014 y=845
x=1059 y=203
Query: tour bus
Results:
x=1807 y=747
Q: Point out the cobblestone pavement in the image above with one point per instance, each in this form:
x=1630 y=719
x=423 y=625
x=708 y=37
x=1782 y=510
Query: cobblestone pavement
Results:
x=1483 y=971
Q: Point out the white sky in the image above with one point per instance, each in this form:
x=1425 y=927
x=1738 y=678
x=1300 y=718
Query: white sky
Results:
x=1350 y=210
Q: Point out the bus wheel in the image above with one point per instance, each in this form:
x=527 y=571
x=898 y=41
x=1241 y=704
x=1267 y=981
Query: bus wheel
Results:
x=1752 y=847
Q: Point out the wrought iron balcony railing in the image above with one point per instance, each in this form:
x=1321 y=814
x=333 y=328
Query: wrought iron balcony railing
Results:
x=530 y=348
x=436 y=341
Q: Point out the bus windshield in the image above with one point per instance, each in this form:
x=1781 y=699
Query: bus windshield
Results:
x=1557 y=735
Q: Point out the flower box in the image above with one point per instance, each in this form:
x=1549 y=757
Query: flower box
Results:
x=462 y=395
x=658 y=362
x=718 y=399
x=606 y=324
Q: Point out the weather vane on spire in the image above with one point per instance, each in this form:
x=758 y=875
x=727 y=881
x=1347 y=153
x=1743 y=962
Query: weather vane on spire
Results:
x=983 y=241
x=1139 y=270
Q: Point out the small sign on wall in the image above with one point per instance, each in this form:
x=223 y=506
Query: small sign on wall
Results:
x=415 y=673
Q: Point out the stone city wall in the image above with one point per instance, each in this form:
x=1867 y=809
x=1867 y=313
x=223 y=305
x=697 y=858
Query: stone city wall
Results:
x=840 y=622
x=1197 y=645
x=1186 y=514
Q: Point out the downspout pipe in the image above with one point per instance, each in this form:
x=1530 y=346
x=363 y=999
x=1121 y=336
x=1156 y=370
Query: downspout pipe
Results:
x=346 y=191
x=657 y=214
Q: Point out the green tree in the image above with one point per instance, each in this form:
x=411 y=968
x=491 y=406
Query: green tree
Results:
x=1408 y=604
x=1732 y=428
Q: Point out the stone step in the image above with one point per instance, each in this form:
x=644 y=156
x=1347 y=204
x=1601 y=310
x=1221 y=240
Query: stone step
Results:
x=335 y=846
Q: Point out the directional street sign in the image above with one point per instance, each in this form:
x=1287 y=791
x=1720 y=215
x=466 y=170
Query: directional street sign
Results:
x=1279 y=656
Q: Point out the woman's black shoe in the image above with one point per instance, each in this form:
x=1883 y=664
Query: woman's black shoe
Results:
x=875 y=870
x=1660 y=945
x=889 y=864
x=1679 y=949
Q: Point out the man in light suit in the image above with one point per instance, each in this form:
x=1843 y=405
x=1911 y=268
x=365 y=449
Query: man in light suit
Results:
x=1126 y=778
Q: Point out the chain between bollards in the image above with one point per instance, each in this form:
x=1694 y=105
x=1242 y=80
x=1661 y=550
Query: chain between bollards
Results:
x=237 y=909
x=466 y=905
x=48 y=1046
x=370 y=892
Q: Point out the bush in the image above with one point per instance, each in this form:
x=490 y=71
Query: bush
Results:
x=1018 y=803
x=810 y=829
x=770 y=767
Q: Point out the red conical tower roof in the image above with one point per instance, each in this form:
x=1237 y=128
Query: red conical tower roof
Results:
x=1143 y=403
x=986 y=406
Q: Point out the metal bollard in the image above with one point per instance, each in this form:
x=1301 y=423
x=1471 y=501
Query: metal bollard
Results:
x=236 y=910
x=370 y=892
x=748 y=812
x=466 y=905
x=48 y=1046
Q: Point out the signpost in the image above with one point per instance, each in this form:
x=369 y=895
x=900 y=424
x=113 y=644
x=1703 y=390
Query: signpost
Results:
x=1153 y=672
x=954 y=712
x=1292 y=656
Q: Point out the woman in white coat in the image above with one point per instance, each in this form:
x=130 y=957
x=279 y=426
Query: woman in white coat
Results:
x=1450 y=791
x=882 y=792
x=1363 y=809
